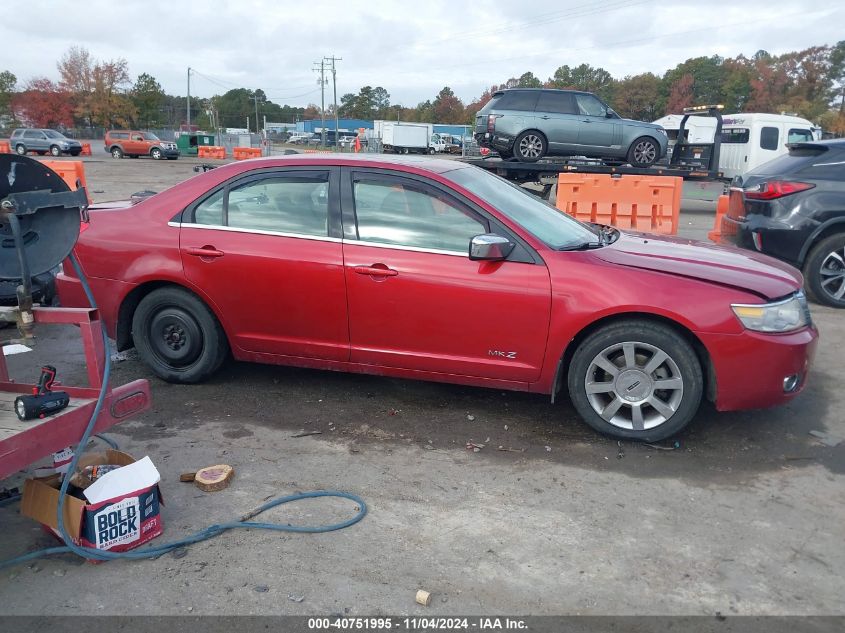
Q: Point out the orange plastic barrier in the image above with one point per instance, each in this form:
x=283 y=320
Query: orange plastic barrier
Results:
x=241 y=153
x=71 y=171
x=5 y=148
x=721 y=209
x=86 y=149
x=211 y=151
x=641 y=203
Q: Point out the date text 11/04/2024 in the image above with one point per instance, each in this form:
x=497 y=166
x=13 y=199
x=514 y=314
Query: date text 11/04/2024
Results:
x=417 y=624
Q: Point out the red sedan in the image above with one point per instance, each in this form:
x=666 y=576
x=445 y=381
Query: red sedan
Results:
x=437 y=270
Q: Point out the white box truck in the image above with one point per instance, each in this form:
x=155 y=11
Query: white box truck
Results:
x=753 y=138
x=406 y=138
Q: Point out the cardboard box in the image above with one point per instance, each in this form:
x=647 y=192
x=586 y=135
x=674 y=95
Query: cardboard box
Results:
x=117 y=524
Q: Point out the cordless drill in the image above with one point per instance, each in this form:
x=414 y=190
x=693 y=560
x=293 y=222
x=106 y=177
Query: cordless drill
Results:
x=43 y=401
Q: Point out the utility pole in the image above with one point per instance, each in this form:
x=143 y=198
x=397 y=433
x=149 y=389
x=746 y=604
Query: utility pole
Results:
x=189 y=100
x=255 y=98
x=334 y=59
x=322 y=81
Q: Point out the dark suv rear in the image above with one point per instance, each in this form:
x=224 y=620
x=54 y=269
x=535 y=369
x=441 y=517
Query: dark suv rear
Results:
x=793 y=208
x=530 y=123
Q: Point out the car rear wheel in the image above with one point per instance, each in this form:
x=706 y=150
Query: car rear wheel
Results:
x=116 y=152
x=178 y=336
x=825 y=271
x=636 y=380
x=20 y=148
x=530 y=146
x=156 y=153
x=644 y=152
x=55 y=151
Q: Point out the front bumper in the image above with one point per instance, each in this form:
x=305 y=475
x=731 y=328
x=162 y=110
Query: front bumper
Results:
x=750 y=368
x=171 y=153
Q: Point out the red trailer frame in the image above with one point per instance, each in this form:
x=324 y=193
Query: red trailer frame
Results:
x=24 y=441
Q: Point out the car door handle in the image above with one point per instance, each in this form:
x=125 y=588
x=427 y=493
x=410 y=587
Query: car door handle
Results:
x=586 y=121
x=545 y=117
x=204 y=251
x=375 y=271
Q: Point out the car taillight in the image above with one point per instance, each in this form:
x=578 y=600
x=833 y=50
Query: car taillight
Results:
x=491 y=122
x=776 y=189
x=83 y=226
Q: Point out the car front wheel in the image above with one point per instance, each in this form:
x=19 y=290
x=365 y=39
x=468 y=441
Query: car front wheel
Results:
x=644 y=152
x=116 y=152
x=636 y=380
x=825 y=271
x=55 y=151
x=155 y=153
x=178 y=336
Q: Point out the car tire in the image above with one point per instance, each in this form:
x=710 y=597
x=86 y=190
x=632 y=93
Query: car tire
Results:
x=155 y=153
x=617 y=404
x=824 y=271
x=431 y=150
x=116 y=152
x=55 y=150
x=643 y=152
x=20 y=148
x=530 y=146
x=178 y=336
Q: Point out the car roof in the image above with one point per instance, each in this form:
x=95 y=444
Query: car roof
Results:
x=420 y=162
x=504 y=90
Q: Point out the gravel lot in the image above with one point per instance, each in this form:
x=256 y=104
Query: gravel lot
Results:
x=745 y=517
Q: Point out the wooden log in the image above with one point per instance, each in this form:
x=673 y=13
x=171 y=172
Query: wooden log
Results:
x=214 y=478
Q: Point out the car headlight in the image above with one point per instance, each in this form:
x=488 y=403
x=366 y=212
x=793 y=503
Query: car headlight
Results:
x=781 y=316
x=662 y=131
x=63 y=143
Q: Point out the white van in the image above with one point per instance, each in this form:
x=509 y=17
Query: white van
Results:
x=751 y=139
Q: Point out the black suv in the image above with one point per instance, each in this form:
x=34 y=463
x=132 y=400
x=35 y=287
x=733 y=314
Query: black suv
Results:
x=793 y=208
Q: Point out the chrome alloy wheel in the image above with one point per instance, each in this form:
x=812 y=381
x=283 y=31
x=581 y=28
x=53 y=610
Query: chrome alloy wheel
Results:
x=645 y=152
x=531 y=146
x=634 y=386
x=832 y=274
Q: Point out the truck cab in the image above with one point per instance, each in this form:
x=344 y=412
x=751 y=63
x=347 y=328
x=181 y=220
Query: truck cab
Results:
x=751 y=139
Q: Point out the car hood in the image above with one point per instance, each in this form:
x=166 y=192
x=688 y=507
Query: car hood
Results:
x=762 y=275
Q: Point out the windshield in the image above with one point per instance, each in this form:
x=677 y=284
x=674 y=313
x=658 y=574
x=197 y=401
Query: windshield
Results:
x=553 y=227
x=53 y=134
x=149 y=136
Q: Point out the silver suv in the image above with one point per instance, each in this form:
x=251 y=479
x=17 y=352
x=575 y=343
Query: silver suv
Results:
x=43 y=141
x=530 y=123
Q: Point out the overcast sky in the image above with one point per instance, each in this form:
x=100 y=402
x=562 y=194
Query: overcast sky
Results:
x=410 y=47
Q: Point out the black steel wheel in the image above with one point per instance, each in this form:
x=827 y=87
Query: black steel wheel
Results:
x=178 y=336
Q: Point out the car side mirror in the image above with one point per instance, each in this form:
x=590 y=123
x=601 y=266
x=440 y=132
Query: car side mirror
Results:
x=609 y=114
x=490 y=248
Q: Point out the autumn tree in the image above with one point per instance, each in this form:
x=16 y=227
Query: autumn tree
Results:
x=42 y=104
x=369 y=103
x=76 y=80
x=707 y=79
x=447 y=107
x=680 y=95
x=476 y=105
x=637 y=97
x=837 y=75
x=108 y=103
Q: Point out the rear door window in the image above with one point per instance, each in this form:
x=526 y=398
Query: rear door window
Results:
x=556 y=102
x=736 y=135
x=518 y=100
x=32 y=134
x=826 y=166
x=769 y=138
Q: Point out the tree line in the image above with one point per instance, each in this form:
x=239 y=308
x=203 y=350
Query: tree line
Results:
x=100 y=93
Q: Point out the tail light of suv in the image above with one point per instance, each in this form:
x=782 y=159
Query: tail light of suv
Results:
x=774 y=189
x=491 y=122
